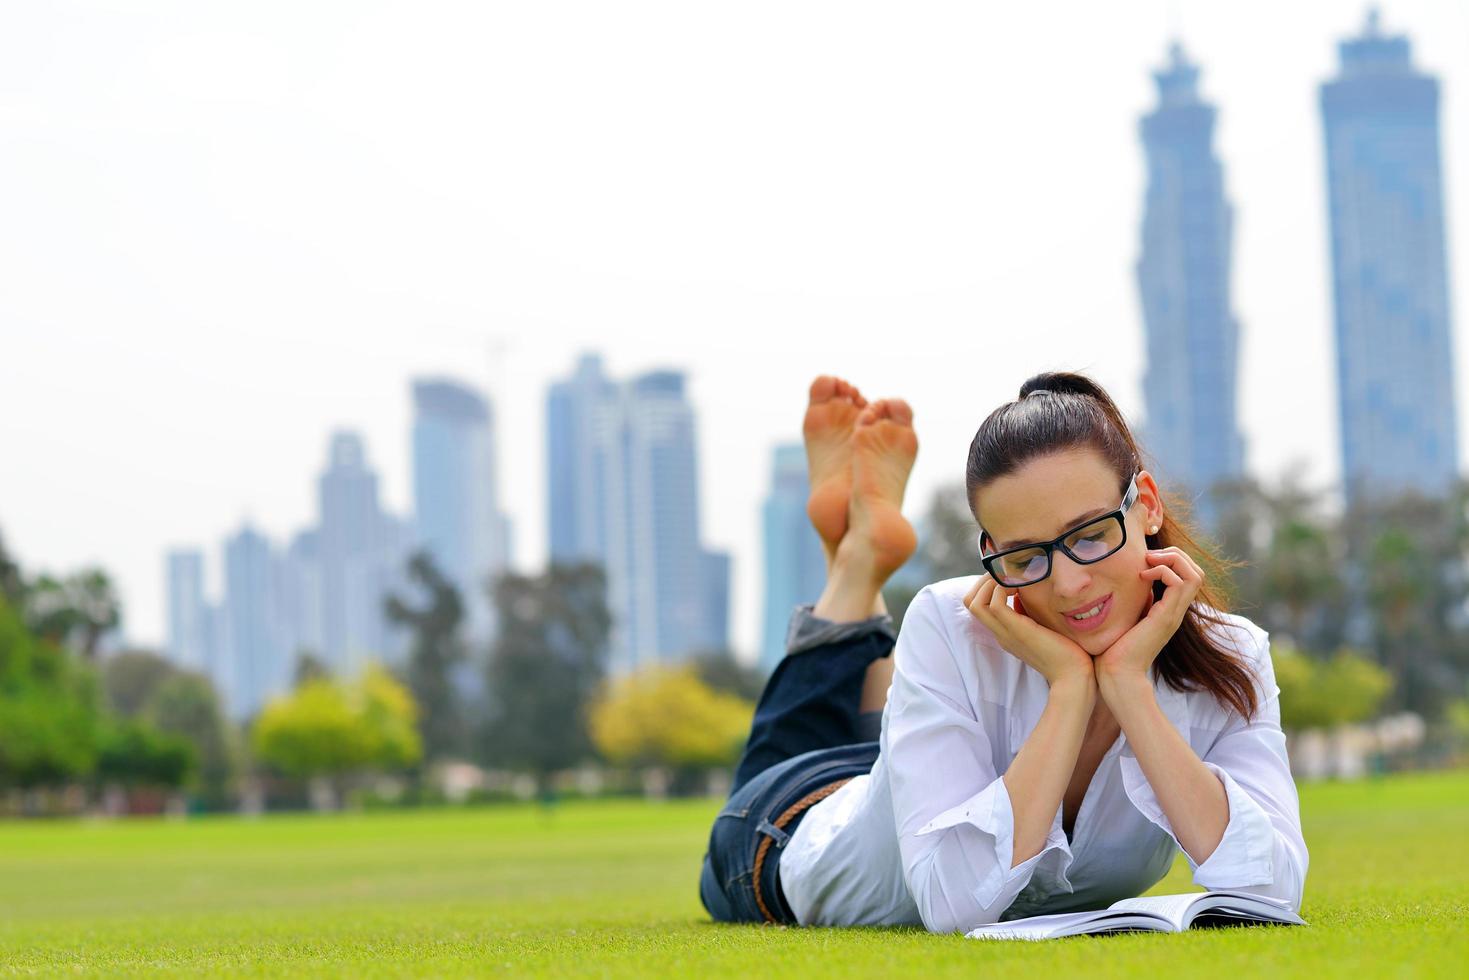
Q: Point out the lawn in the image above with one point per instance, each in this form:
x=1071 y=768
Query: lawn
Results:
x=609 y=888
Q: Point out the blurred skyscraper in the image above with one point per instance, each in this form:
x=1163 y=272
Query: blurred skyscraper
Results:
x=301 y=582
x=795 y=567
x=257 y=662
x=188 y=611
x=576 y=468
x=1394 y=353
x=456 y=501
x=1191 y=380
x=363 y=553
x=622 y=480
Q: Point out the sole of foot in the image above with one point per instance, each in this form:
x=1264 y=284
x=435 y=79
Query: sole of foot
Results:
x=831 y=417
x=884 y=446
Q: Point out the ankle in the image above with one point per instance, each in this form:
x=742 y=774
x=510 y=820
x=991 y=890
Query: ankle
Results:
x=853 y=586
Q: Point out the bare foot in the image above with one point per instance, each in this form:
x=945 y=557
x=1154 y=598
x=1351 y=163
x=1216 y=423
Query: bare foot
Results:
x=830 y=418
x=883 y=448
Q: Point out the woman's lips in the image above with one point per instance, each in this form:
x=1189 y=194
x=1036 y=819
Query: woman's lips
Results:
x=1091 y=622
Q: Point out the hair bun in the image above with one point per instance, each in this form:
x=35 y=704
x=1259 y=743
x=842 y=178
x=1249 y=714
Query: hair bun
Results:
x=1058 y=383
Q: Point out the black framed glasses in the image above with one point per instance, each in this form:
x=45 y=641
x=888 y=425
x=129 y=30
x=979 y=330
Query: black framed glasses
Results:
x=1083 y=544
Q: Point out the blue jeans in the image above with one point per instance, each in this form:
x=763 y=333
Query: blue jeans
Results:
x=807 y=734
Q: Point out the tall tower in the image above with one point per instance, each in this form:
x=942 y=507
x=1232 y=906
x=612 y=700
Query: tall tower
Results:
x=188 y=610
x=1191 y=382
x=1394 y=362
x=256 y=665
x=577 y=411
x=795 y=568
x=362 y=553
x=456 y=499
x=623 y=488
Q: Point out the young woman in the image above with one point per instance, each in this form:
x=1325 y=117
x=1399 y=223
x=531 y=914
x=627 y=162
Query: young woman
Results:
x=1045 y=736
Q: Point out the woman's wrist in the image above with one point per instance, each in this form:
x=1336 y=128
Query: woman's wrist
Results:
x=1076 y=688
x=1124 y=693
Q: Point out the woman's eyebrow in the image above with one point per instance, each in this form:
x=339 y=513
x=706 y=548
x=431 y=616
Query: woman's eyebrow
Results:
x=1078 y=519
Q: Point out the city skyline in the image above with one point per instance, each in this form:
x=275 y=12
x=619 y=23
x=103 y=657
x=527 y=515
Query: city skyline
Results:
x=319 y=593
x=790 y=270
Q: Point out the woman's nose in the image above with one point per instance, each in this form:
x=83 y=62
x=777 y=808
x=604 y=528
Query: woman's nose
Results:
x=1069 y=578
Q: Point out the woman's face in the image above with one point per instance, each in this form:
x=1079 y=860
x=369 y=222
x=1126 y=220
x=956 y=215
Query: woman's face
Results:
x=1051 y=495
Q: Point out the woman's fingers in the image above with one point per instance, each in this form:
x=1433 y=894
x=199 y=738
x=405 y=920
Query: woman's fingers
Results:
x=974 y=591
x=987 y=601
x=997 y=599
x=1164 y=574
x=1177 y=594
x=1180 y=561
x=979 y=597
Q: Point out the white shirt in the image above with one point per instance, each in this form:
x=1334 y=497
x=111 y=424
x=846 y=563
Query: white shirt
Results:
x=926 y=836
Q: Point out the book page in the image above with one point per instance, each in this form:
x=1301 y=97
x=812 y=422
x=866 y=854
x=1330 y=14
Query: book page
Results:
x=1174 y=908
x=1067 y=924
x=1181 y=909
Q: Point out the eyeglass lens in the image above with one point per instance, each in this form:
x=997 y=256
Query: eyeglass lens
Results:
x=1089 y=543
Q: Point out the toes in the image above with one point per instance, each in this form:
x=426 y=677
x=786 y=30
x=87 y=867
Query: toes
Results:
x=848 y=390
x=824 y=389
x=892 y=409
x=828 y=387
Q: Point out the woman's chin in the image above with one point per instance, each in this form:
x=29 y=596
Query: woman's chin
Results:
x=1097 y=643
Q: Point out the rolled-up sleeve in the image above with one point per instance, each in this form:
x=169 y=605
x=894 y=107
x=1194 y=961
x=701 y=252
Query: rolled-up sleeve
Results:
x=1262 y=851
x=952 y=809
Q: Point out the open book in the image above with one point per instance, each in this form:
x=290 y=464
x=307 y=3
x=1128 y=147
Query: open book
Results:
x=1155 y=913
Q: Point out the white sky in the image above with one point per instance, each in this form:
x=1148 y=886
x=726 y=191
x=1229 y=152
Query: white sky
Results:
x=226 y=229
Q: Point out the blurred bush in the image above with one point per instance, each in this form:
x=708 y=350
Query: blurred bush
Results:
x=1341 y=690
x=332 y=728
x=668 y=716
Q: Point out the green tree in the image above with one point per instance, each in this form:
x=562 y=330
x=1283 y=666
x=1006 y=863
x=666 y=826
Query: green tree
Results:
x=12 y=587
x=48 y=709
x=131 y=678
x=309 y=667
x=75 y=611
x=437 y=649
x=722 y=672
x=134 y=753
x=1291 y=559
x=1344 y=689
x=186 y=705
x=330 y=728
x=547 y=663
x=140 y=686
x=1409 y=573
x=1300 y=573
x=668 y=716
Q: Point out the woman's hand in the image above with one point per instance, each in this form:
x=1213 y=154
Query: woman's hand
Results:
x=1134 y=652
x=1053 y=655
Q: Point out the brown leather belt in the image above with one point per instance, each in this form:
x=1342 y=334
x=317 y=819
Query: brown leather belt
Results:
x=791 y=813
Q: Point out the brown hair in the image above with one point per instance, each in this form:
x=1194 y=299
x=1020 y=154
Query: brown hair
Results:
x=1059 y=411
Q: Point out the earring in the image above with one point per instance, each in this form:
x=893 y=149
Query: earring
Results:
x=1153 y=529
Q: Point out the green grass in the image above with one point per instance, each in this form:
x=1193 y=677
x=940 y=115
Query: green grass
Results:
x=609 y=888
